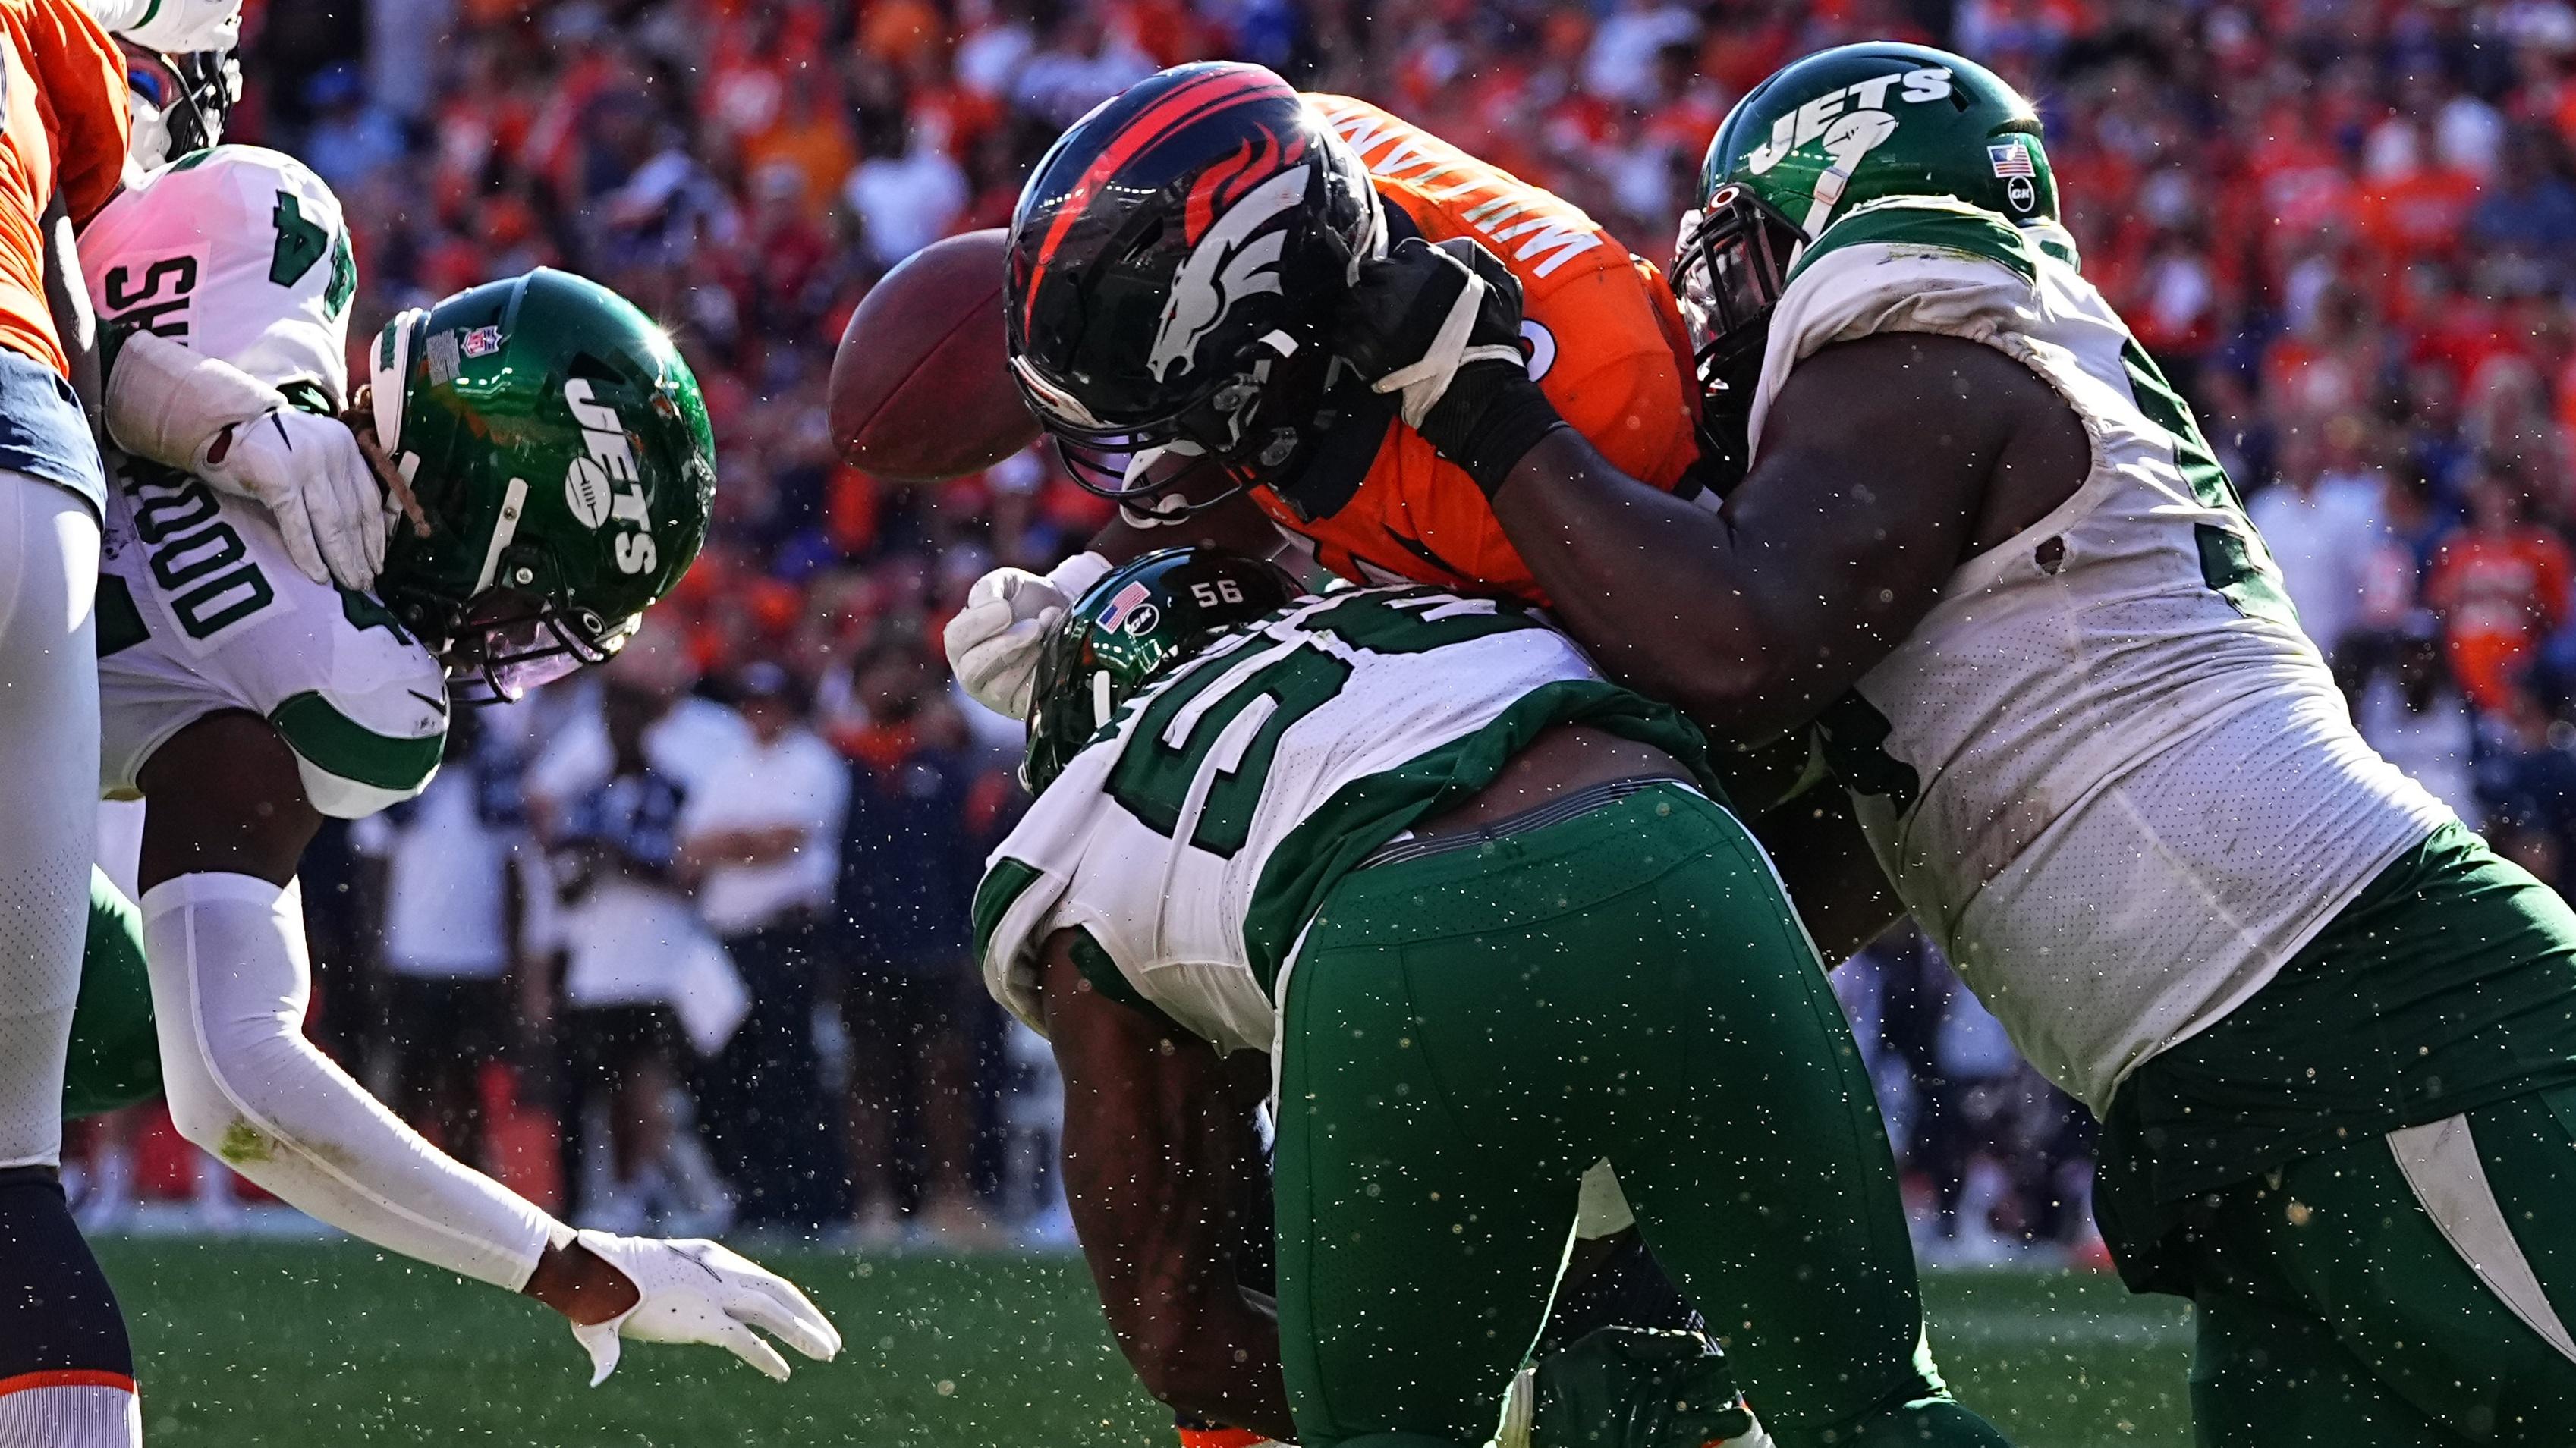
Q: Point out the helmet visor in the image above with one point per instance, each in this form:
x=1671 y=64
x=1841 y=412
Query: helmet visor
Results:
x=513 y=643
x=1729 y=268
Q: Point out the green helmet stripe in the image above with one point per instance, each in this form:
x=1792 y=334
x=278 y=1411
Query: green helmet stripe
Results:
x=1933 y=222
x=340 y=745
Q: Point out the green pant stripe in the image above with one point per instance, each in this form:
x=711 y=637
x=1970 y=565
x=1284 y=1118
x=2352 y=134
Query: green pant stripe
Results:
x=2333 y=1307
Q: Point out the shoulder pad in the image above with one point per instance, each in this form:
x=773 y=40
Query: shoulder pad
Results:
x=1925 y=225
x=1905 y=264
x=237 y=252
x=248 y=165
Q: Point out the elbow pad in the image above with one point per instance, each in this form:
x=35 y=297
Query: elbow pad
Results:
x=168 y=403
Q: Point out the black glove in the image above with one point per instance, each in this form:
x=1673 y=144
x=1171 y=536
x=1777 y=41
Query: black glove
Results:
x=1440 y=328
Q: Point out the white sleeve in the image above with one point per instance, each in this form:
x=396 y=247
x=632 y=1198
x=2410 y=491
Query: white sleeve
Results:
x=230 y=982
x=166 y=402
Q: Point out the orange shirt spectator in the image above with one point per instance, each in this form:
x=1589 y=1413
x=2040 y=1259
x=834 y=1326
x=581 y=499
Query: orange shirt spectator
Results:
x=2420 y=213
x=901 y=33
x=2501 y=587
x=811 y=136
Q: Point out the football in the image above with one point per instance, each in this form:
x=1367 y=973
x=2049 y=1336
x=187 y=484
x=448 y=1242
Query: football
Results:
x=921 y=387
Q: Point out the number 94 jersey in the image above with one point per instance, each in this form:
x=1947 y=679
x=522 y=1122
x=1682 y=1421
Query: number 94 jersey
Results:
x=1193 y=839
x=240 y=253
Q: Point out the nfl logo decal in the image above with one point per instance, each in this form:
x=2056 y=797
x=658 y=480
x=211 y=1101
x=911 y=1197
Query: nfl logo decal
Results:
x=484 y=341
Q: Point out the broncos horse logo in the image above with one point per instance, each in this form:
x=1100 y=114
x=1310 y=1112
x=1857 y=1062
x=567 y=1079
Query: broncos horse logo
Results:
x=1237 y=257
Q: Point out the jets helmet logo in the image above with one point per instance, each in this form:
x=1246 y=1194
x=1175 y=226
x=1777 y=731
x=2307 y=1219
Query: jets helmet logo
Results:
x=1813 y=120
x=1235 y=258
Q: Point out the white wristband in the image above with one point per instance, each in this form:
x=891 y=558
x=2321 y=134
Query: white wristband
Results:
x=167 y=403
x=1074 y=576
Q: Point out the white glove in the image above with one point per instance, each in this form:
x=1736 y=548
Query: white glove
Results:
x=993 y=641
x=173 y=27
x=308 y=472
x=697 y=1291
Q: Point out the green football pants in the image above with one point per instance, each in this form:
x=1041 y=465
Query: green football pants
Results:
x=1467 y=1033
x=2398 y=1290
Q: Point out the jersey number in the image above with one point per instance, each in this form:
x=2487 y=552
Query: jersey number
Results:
x=301 y=245
x=2227 y=560
x=1153 y=776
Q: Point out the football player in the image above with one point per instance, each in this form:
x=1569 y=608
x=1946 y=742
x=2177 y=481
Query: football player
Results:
x=66 y=1369
x=192 y=409
x=1481 y=910
x=1175 y=260
x=1984 y=557
x=555 y=469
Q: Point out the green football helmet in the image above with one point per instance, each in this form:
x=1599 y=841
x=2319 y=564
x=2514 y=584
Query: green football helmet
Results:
x=560 y=448
x=1128 y=630
x=1822 y=135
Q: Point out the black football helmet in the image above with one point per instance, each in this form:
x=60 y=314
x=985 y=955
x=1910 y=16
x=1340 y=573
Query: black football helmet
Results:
x=1174 y=259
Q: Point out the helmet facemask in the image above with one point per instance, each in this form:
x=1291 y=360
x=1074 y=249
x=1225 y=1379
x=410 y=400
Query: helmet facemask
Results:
x=508 y=643
x=177 y=102
x=1239 y=431
x=1730 y=266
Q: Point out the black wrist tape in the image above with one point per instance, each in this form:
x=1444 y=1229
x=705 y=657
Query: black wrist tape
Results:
x=1489 y=419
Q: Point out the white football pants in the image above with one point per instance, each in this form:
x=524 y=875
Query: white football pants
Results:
x=48 y=799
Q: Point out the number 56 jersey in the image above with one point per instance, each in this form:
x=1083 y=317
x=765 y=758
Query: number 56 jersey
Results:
x=1193 y=839
x=240 y=253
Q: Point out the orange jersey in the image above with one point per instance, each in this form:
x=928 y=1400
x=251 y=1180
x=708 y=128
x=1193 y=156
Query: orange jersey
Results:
x=64 y=129
x=1607 y=347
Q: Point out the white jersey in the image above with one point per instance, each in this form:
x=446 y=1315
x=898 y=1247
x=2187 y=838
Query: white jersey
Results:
x=2107 y=772
x=1193 y=840
x=240 y=252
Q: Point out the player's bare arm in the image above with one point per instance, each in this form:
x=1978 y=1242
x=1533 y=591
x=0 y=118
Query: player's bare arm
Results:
x=1891 y=459
x=1158 y=1153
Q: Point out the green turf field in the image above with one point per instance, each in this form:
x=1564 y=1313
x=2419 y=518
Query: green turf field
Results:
x=271 y=1344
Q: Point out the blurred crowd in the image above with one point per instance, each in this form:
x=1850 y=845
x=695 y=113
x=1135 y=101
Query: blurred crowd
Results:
x=2346 y=227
